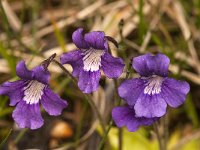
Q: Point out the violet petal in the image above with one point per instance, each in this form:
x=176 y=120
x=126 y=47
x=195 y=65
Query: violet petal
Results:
x=74 y=58
x=89 y=81
x=14 y=90
x=78 y=39
x=41 y=75
x=28 y=116
x=23 y=72
x=97 y=40
x=174 y=91
x=150 y=106
x=52 y=103
x=131 y=89
x=111 y=66
x=125 y=116
x=147 y=65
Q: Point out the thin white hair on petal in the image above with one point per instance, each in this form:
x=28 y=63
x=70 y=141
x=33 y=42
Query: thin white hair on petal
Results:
x=33 y=92
x=153 y=85
x=92 y=59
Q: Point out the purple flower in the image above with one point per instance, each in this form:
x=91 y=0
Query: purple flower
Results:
x=150 y=93
x=125 y=116
x=92 y=54
x=27 y=94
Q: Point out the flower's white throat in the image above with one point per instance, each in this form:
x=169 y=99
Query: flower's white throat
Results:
x=33 y=92
x=153 y=85
x=92 y=59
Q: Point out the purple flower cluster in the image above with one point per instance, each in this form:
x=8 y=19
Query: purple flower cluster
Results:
x=147 y=96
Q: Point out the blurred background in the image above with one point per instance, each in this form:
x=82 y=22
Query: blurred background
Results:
x=33 y=30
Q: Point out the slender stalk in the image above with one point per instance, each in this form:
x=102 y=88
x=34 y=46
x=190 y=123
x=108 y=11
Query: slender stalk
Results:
x=120 y=138
x=65 y=70
x=111 y=121
x=100 y=147
x=155 y=125
x=20 y=135
x=120 y=130
x=88 y=98
x=91 y=102
x=6 y=138
x=80 y=124
x=166 y=132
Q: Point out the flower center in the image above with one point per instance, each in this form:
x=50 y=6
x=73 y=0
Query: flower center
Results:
x=153 y=85
x=33 y=92
x=92 y=59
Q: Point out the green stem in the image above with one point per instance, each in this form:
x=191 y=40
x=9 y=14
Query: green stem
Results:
x=166 y=132
x=20 y=135
x=100 y=147
x=65 y=70
x=96 y=109
x=88 y=98
x=155 y=125
x=120 y=138
x=120 y=133
x=80 y=124
x=6 y=138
